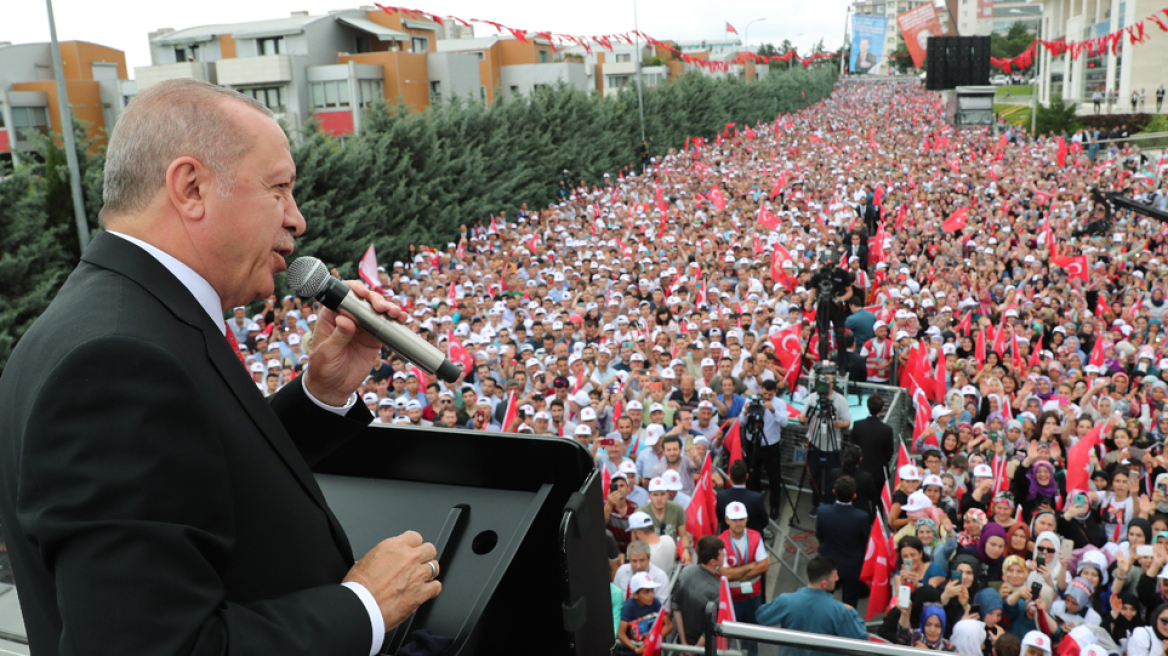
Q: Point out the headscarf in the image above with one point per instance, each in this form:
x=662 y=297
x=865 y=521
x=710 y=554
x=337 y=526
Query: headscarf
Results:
x=1017 y=527
x=1036 y=489
x=1080 y=589
x=1013 y=560
x=1052 y=564
x=930 y=611
x=989 y=531
x=989 y=599
x=1144 y=525
x=978 y=515
x=1154 y=623
x=968 y=637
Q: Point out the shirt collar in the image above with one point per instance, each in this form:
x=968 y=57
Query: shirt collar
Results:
x=196 y=284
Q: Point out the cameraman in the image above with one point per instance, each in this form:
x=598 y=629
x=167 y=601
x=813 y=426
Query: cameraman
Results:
x=764 y=448
x=824 y=440
x=832 y=288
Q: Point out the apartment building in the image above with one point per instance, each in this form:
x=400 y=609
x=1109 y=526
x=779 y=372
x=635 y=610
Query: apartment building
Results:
x=330 y=67
x=95 y=81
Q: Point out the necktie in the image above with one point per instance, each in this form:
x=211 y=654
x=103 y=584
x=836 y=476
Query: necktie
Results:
x=234 y=345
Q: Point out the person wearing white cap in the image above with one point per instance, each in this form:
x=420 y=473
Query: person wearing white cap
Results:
x=662 y=547
x=639 y=614
x=878 y=353
x=746 y=562
x=1037 y=643
x=668 y=516
x=910 y=482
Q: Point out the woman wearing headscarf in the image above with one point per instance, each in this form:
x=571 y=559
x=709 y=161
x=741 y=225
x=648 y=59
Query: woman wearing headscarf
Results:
x=1018 y=540
x=1149 y=640
x=974 y=521
x=1075 y=608
x=991 y=550
x=1035 y=486
x=991 y=608
x=969 y=637
x=1050 y=573
x=931 y=632
x=1016 y=595
x=1079 y=521
x=1123 y=618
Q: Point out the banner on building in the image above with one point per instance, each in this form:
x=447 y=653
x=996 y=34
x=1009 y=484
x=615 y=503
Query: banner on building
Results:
x=985 y=9
x=867 y=42
x=916 y=26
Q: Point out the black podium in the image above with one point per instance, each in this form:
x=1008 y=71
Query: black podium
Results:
x=517 y=521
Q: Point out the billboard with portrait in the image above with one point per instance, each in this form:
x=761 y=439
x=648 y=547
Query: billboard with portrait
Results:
x=867 y=42
x=916 y=26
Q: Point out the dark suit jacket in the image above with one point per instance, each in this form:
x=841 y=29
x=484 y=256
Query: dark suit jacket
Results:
x=874 y=438
x=756 y=512
x=152 y=501
x=867 y=492
x=842 y=536
x=861 y=252
x=856 y=367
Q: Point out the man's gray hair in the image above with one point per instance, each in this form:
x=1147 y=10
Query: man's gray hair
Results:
x=169 y=120
x=637 y=548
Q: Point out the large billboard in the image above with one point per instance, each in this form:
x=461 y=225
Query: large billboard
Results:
x=916 y=26
x=867 y=42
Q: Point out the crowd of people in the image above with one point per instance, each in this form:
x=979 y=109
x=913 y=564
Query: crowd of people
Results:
x=642 y=315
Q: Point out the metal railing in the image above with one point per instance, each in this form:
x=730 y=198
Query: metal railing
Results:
x=789 y=638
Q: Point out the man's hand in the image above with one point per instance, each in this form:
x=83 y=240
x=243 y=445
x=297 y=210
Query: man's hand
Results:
x=396 y=573
x=343 y=353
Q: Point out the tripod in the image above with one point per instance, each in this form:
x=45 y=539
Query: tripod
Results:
x=821 y=423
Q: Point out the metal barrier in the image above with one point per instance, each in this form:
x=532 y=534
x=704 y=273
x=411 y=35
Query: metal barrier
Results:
x=788 y=638
x=690 y=649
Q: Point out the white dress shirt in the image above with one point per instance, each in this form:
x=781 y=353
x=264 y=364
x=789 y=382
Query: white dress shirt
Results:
x=209 y=300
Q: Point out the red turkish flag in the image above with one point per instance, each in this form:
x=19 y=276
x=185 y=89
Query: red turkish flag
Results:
x=768 y=218
x=902 y=459
x=1097 y=352
x=732 y=440
x=730 y=28
x=877 y=571
x=367 y=270
x=512 y=413
x=700 y=518
x=459 y=354
x=965 y=324
x=660 y=199
x=789 y=350
x=939 y=384
x=725 y=610
x=1062 y=151
x=779 y=184
x=715 y=197
x=923 y=416
x=605 y=481
x=979 y=348
x=1035 y=355
x=778 y=274
x=1000 y=338
x=956 y=221
x=1075 y=266
x=653 y=639
x=1079 y=459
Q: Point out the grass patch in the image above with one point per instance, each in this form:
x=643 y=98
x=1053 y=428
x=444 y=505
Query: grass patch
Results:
x=1016 y=114
x=1015 y=90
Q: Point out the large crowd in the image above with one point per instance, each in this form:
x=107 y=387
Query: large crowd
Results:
x=642 y=315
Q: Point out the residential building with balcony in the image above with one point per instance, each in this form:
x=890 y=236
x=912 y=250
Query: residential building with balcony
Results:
x=95 y=81
x=515 y=67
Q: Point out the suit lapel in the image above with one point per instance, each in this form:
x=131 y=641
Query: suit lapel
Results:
x=117 y=254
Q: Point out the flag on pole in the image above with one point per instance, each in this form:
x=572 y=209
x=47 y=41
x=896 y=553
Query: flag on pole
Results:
x=956 y=220
x=700 y=517
x=730 y=28
x=725 y=610
x=653 y=639
x=876 y=571
x=732 y=440
x=367 y=270
x=1079 y=459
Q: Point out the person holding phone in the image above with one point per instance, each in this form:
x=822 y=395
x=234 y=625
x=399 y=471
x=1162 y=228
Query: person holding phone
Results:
x=930 y=633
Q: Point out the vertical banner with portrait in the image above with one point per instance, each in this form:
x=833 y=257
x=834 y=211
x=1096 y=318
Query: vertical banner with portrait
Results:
x=867 y=42
x=916 y=26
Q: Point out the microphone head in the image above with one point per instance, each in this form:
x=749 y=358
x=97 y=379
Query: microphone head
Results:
x=307 y=276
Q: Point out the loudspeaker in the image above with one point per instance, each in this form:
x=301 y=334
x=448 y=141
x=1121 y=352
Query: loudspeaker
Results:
x=955 y=61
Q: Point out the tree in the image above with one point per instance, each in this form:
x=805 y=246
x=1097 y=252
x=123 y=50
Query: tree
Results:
x=901 y=59
x=1011 y=45
x=1056 y=118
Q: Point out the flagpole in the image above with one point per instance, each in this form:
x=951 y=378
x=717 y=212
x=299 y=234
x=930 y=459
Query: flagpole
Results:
x=66 y=113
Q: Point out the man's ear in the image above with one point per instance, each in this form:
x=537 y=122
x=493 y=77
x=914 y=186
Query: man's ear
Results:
x=188 y=181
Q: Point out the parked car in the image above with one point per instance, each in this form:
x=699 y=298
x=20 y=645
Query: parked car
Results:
x=999 y=80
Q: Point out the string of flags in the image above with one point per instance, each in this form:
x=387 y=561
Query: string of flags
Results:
x=605 y=41
x=1137 y=33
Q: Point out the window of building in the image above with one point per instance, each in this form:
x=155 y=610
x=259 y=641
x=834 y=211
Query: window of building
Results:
x=538 y=87
x=273 y=97
x=363 y=44
x=330 y=95
x=435 y=92
x=514 y=90
x=623 y=57
x=545 y=58
x=482 y=93
x=480 y=55
x=419 y=44
x=30 y=118
x=272 y=46
x=180 y=55
x=371 y=92
x=618 y=81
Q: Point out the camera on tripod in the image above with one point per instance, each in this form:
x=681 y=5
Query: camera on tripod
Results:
x=824 y=386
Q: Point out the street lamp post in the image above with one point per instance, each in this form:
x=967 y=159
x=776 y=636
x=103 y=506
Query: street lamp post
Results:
x=67 y=132
x=1037 y=68
x=640 y=80
x=746 y=34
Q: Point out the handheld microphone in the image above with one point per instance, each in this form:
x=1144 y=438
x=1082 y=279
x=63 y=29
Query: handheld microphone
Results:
x=309 y=278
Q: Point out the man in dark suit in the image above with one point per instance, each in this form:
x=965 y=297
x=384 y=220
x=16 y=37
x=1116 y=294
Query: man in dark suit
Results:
x=757 y=518
x=874 y=437
x=853 y=364
x=870 y=214
x=836 y=529
x=152 y=501
x=857 y=247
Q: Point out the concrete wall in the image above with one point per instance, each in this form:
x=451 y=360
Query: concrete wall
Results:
x=20 y=63
x=405 y=76
x=84 y=98
x=457 y=74
x=527 y=76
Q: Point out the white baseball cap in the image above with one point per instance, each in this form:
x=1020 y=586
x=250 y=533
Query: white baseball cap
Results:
x=640 y=520
x=736 y=510
x=642 y=581
x=653 y=433
x=672 y=480
x=1036 y=639
x=918 y=501
x=983 y=471
x=910 y=473
x=933 y=479
x=658 y=485
x=583 y=429
x=588 y=414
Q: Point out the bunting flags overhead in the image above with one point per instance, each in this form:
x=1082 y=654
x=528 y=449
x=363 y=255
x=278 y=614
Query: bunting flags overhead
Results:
x=1136 y=34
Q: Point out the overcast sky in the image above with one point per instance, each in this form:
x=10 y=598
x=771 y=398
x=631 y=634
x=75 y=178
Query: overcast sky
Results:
x=124 y=24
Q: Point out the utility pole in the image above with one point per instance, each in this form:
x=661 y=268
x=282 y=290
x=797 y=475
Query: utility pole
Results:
x=640 y=81
x=67 y=132
x=844 y=49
